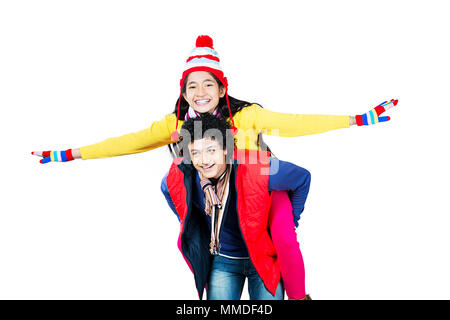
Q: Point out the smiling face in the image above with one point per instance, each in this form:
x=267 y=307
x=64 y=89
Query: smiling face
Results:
x=203 y=92
x=208 y=157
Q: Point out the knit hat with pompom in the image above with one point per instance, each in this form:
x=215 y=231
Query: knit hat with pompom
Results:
x=203 y=58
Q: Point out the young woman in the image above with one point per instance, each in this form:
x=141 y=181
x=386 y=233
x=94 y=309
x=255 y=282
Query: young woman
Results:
x=204 y=89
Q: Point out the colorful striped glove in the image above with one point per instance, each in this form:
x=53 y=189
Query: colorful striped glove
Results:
x=53 y=156
x=372 y=116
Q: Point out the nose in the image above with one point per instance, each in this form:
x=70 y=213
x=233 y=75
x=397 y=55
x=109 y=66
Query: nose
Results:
x=200 y=91
x=205 y=158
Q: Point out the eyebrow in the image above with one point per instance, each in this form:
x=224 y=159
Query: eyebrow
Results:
x=208 y=147
x=193 y=82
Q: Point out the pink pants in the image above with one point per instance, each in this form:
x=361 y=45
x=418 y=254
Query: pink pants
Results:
x=284 y=238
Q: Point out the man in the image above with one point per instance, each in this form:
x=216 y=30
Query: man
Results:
x=223 y=209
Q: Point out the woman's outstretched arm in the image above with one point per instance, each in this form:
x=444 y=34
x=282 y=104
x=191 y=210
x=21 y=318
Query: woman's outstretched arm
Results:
x=157 y=135
x=293 y=125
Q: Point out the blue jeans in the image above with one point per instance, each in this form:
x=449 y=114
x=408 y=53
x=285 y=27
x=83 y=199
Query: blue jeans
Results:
x=227 y=279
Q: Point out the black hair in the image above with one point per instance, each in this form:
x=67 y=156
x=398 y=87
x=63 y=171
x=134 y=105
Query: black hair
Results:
x=235 y=106
x=206 y=126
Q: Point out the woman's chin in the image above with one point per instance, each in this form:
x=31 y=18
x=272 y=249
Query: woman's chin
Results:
x=204 y=109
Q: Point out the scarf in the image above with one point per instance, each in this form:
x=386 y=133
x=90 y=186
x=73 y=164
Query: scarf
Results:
x=214 y=196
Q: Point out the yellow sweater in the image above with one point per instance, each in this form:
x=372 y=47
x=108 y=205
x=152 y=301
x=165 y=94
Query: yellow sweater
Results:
x=250 y=121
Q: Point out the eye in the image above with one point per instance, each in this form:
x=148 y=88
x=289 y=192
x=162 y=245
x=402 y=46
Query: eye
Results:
x=191 y=87
x=211 y=150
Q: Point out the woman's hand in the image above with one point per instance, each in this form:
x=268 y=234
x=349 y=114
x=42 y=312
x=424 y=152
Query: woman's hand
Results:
x=372 y=117
x=58 y=156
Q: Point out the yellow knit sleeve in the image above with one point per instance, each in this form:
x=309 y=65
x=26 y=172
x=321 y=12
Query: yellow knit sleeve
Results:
x=157 y=135
x=287 y=124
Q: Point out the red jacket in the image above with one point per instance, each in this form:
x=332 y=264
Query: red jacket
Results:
x=253 y=205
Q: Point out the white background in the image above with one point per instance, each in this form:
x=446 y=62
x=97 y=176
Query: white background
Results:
x=73 y=73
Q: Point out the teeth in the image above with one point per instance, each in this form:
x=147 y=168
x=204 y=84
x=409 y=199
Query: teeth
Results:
x=202 y=101
x=208 y=167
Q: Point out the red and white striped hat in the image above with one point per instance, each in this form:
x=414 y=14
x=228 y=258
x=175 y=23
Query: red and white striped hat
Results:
x=203 y=58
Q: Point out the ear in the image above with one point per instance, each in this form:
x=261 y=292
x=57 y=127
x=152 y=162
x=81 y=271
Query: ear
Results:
x=225 y=156
x=222 y=91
